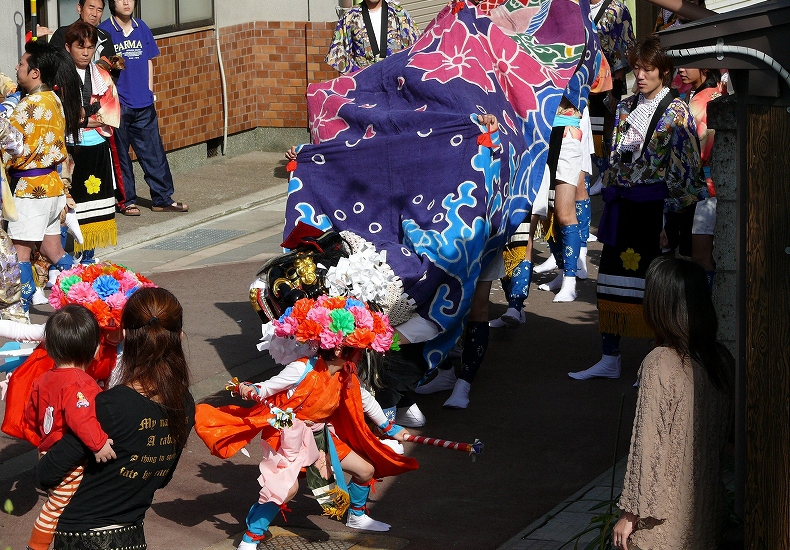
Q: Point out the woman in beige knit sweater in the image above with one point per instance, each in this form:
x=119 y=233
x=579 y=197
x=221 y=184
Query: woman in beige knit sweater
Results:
x=673 y=495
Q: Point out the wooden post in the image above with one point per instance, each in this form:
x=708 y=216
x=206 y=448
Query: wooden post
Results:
x=767 y=346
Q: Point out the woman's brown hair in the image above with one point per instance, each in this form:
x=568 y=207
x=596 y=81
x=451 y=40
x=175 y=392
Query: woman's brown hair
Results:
x=153 y=358
x=679 y=309
x=649 y=54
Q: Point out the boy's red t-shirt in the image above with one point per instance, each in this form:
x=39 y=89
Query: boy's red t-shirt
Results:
x=64 y=399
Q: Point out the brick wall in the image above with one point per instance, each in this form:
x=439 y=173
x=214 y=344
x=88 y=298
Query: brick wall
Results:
x=268 y=65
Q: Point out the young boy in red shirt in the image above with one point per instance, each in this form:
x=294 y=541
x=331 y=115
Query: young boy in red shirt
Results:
x=63 y=399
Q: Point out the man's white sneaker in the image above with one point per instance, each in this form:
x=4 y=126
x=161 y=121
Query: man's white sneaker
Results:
x=367 y=523
x=444 y=380
x=549 y=265
x=410 y=418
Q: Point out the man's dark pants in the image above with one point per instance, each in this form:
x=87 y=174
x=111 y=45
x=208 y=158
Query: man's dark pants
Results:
x=140 y=129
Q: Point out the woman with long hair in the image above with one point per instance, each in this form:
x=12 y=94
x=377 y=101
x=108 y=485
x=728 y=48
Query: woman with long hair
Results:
x=673 y=495
x=148 y=415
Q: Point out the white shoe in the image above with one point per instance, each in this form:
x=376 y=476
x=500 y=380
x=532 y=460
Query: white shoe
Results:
x=410 y=418
x=581 y=265
x=567 y=292
x=459 y=399
x=444 y=380
x=366 y=523
x=554 y=285
x=247 y=546
x=608 y=367
x=591 y=238
x=595 y=188
x=74 y=226
x=38 y=298
x=549 y=265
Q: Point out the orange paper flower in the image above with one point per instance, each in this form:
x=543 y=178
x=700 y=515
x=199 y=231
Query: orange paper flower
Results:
x=360 y=338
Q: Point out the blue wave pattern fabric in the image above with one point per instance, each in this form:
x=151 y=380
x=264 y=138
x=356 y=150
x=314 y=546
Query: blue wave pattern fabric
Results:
x=395 y=155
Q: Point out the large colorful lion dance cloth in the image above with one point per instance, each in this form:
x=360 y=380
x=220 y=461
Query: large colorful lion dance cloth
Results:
x=396 y=159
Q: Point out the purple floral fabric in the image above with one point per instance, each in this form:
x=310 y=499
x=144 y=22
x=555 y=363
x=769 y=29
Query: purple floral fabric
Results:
x=395 y=155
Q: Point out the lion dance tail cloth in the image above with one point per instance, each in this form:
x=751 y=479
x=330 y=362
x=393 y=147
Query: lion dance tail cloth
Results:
x=395 y=155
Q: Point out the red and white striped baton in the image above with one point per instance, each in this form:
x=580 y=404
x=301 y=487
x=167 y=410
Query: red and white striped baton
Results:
x=473 y=449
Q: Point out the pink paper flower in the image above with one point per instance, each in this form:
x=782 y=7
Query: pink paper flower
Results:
x=330 y=339
x=128 y=281
x=82 y=293
x=320 y=315
x=56 y=297
x=285 y=328
x=382 y=342
x=362 y=317
x=116 y=301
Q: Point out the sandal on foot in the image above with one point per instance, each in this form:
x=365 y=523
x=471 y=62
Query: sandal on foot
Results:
x=130 y=210
x=175 y=207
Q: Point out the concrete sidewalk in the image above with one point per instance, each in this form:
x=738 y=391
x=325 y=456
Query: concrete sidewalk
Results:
x=546 y=435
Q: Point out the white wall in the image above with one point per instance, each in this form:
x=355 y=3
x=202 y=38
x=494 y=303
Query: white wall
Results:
x=12 y=37
x=234 y=12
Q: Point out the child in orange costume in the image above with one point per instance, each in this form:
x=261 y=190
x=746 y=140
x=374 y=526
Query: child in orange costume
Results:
x=315 y=400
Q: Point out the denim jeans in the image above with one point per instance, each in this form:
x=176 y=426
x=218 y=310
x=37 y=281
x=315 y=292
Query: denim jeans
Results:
x=140 y=129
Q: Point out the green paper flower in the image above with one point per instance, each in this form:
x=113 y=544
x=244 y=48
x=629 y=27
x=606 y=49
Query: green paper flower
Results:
x=66 y=282
x=342 y=321
x=395 y=342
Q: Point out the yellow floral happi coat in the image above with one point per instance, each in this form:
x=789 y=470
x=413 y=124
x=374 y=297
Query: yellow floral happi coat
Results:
x=39 y=117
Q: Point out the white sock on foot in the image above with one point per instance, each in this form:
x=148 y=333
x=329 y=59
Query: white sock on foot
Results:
x=554 y=285
x=74 y=226
x=512 y=317
x=608 y=367
x=444 y=380
x=410 y=418
x=459 y=399
x=247 y=545
x=497 y=323
x=568 y=291
x=38 y=298
x=581 y=266
x=366 y=522
x=546 y=266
